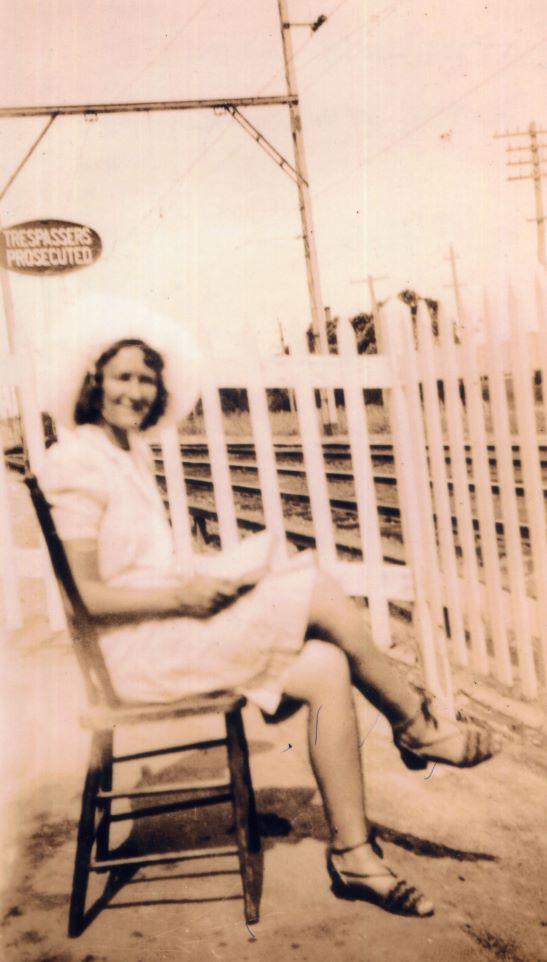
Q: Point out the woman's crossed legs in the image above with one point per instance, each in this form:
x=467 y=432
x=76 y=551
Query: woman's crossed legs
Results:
x=340 y=653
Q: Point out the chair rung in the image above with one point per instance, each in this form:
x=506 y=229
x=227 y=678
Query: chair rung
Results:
x=182 y=856
x=171 y=750
x=173 y=788
x=180 y=805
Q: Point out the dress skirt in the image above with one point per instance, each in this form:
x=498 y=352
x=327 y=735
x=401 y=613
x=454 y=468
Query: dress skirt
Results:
x=247 y=647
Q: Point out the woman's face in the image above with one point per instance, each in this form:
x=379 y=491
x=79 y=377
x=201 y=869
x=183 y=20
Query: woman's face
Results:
x=129 y=389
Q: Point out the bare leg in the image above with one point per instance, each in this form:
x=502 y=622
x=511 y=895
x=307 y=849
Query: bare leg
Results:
x=321 y=677
x=334 y=617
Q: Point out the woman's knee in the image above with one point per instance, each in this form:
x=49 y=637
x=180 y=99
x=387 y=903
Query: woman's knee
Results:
x=321 y=668
x=327 y=601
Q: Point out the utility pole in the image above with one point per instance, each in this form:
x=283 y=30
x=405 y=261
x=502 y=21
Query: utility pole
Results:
x=370 y=280
x=375 y=312
x=285 y=350
x=456 y=285
x=536 y=160
x=318 y=319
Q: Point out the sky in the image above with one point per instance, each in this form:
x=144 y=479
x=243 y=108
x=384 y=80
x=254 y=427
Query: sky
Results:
x=399 y=101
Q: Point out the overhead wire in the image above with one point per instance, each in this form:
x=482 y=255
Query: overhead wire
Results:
x=127 y=86
x=164 y=47
x=179 y=180
x=182 y=177
x=456 y=100
x=437 y=113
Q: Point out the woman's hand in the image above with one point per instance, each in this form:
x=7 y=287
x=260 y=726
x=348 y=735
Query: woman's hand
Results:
x=198 y=596
x=201 y=596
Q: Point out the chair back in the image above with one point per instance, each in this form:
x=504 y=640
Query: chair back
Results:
x=83 y=628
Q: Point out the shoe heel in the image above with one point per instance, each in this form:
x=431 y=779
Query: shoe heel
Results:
x=337 y=886
x=412 y=761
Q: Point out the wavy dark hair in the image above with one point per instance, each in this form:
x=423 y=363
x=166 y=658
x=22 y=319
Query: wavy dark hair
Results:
x=88 y=409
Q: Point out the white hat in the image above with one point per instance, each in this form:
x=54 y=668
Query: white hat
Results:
x=91 y=327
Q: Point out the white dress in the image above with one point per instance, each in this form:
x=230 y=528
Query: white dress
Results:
x=99 y=491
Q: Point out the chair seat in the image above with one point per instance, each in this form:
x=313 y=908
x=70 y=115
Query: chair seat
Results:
x=102 y=717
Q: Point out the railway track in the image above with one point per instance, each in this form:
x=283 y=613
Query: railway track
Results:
x=194 y=456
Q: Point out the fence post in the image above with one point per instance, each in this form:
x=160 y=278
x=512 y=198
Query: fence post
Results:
x=264 y=444
x=365 y=494
x=529 y=453
x=220 y=469
x=429 y=377
x=31 y=419
x=508 y=501
x=415 y=501
x=462 y=497
x=312 y=451
x=485 y=505
x=176 y=494
x=8 y=567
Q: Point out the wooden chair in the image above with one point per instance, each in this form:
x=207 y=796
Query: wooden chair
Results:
x=107 y=713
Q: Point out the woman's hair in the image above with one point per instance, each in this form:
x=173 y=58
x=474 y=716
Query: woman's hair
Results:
x=88 y=409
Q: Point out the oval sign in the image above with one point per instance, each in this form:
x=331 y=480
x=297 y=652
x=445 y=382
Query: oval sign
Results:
x=48 y=247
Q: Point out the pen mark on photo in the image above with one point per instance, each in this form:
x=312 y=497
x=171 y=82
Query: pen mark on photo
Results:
x=317 y=722
x=375 y=722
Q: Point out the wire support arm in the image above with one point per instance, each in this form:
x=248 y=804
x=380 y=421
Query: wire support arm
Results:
x=266 y=145
x=27 y=156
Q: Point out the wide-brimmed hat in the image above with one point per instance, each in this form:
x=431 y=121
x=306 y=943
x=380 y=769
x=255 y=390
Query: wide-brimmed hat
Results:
x=89 y=328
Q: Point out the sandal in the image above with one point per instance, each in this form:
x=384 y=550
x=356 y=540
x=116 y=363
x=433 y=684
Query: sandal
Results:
x=447 y=742
x=401 y=898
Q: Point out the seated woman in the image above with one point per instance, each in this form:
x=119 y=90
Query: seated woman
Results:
x=293 y=633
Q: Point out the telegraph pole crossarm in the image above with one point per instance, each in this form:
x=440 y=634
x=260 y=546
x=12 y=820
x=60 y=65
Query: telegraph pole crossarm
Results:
x=535 y=161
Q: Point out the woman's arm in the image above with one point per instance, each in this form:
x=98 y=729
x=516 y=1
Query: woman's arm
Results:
x=198 y=596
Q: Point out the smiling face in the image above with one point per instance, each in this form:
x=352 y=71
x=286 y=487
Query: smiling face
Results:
x=130 y=388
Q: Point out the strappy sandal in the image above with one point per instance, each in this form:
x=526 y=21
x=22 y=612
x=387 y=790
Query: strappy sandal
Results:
x=476 y=744
x=401 y=898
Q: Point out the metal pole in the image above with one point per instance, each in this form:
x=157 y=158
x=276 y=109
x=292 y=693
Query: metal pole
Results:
x=290 y=390
x=456 y=286
x=13 y=346
x=375 y=313
x=328 y=408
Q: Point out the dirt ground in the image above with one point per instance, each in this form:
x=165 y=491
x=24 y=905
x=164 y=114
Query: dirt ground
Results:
x=474 y=841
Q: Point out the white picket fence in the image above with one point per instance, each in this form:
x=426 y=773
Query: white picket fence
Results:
x=488 y=591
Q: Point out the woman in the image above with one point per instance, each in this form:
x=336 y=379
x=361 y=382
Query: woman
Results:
x=292 y=633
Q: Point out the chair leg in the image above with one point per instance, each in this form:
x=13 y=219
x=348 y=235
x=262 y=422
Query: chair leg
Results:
x=246 y=823
x=86 y=836
x=105 y=739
